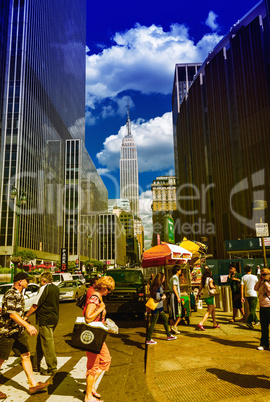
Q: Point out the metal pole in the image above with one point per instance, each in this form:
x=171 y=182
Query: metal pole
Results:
x=16 y=236
x=264 y=252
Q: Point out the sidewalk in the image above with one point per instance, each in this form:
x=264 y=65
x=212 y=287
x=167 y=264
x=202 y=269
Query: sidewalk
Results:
x=212 y=365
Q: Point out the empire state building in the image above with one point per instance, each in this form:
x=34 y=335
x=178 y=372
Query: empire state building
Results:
x=129 y=187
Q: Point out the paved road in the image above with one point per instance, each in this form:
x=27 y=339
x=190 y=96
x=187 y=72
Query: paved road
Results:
x=124 y=381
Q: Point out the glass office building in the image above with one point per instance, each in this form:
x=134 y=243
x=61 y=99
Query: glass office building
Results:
x=42 y=101
x=223 y=137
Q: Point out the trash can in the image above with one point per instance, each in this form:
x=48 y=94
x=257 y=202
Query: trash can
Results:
x=226 y=298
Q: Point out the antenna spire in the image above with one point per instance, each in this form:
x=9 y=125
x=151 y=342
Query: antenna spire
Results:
x=128 y=125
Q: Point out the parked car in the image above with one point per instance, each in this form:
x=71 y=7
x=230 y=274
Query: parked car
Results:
x=61 y=276
x=79 y=277
x=71 y=290
x=128 y=297
x=29 y=293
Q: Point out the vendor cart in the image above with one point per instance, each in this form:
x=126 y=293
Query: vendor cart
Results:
x=164 y=257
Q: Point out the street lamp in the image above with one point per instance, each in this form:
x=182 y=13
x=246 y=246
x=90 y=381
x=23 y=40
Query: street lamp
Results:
x=20 y=200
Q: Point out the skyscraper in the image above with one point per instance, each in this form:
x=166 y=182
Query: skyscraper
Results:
x=42 y=122
x=129 y=182
x=222 y=130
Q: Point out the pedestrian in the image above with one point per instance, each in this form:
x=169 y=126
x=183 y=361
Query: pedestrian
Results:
x=175 y=299
x=150 y=280
x=157 y=293
x=90 y=291
x=263 y=288
x=234 y=281
x=97 y=363
x=206 y=283
x=248 y=282
x=12 y=326
x=46 y=307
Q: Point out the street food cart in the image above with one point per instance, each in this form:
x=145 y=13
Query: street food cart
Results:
x=164 y=257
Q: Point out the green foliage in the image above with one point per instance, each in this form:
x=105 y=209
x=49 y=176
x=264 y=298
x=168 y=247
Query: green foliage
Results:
x=27 y=255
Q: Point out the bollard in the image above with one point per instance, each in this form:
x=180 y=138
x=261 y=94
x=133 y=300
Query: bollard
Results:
x=226 y=299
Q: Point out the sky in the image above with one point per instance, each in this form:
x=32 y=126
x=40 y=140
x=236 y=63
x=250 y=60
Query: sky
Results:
x=131 y=52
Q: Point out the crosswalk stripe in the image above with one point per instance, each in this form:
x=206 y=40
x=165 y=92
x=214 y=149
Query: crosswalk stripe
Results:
x=10 y=363
x=70 y=390
x=17 y=388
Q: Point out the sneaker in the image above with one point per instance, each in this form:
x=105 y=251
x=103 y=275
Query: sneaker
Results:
x=151 y=342
x=175 y=330
x=49 y=372
x=257 y=323
x=250 y=326
x=171 y=338
x=201 y=327
x=262 y=348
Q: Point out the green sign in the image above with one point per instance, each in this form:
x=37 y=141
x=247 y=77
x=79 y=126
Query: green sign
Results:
x=168 y=225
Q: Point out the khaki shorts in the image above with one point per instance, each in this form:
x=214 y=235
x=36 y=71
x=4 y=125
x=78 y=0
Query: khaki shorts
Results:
x=17 y=342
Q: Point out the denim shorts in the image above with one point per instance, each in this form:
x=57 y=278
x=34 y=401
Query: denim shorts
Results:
x=17 y=342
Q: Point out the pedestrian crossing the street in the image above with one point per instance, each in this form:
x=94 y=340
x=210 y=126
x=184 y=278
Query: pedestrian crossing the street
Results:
x=69 y=387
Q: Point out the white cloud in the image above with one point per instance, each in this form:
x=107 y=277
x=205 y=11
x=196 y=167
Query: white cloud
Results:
x=211 y=21
x=146 y=216
x=154 y=142
x=142 y=59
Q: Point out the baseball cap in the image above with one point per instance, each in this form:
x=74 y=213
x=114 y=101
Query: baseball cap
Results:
x=20 y=276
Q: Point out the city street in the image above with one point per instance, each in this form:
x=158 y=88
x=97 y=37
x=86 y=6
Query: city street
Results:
x=125 y=379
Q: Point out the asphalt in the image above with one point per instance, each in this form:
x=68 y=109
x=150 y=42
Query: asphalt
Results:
x=212 y=365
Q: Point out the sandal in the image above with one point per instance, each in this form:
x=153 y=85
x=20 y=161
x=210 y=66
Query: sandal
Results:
x=232 y=320
x=216 y=326
x=95 y=394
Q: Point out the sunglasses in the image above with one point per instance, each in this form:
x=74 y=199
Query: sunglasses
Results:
x=263 y=274
x=109 y=289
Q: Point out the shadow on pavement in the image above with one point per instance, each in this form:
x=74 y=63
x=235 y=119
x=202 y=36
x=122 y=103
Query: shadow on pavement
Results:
x=242 y=380
x=222 y=341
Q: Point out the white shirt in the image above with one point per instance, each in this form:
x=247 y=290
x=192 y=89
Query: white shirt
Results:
x=249 y=281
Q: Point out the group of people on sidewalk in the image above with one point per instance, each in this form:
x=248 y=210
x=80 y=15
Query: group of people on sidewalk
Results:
x=248 y=287
x=175 y=308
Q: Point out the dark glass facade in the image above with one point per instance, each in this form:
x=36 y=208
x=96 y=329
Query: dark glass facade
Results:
x=222 y=131
x=43 y=125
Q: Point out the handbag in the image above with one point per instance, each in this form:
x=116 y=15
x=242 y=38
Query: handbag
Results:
x=152 y=303
x=81 y=301
x=89 y=337
x=212 y=291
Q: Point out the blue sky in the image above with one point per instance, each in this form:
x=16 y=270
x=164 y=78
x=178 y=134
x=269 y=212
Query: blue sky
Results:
x=132 y=49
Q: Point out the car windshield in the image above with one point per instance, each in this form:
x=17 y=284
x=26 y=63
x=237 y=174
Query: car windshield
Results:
x=56 y=278
x=123 y=278
x=4 y=289
x=75 y=277
x=67 y=285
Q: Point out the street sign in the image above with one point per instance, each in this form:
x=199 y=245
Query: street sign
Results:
x=262 y=229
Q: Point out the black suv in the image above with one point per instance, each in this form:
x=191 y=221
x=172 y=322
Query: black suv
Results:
x=129 y=293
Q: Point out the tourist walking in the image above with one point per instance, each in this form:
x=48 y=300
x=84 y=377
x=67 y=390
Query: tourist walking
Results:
x=12 y=326
x=175 y=299
x=234 y=281
x=46 y=307
x=97 y=363
x=263 y=288
x=157 y=293
x=248 y=282
x=206 y=283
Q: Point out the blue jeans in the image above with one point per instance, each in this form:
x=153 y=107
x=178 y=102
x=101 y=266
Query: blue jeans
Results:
x=265 y=322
